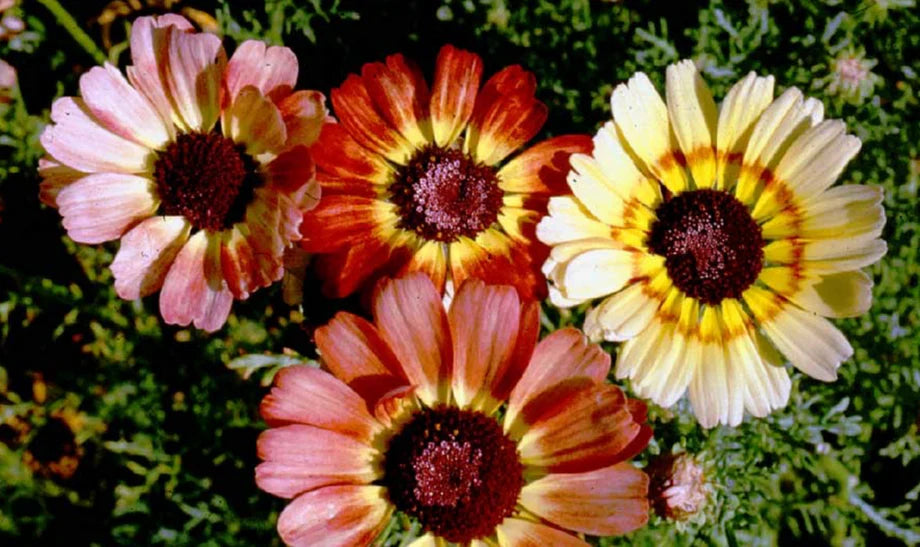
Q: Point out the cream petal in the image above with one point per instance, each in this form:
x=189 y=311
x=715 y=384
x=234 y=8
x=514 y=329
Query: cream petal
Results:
x=666 y=371
x=103 y=206
x=766 y=383
x=693 y=116
x=122 y=109
x=621 y=172
x=193 y=290
x=594 y=273
x=621 y=316
x=843 y=211
x=642 y=118
x=716 y=392
x=741 y=108
x=568 y=220
x=844 y=294
x=590 y=186
x=811 y=343
x=78 y=140
x=146 y=253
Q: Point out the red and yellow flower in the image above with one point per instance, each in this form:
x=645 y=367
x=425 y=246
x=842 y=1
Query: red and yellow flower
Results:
x=199 y=166
x=415 y=180
x=407 y=420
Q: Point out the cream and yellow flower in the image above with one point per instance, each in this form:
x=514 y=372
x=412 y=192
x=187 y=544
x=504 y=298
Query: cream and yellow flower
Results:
x=711 y=238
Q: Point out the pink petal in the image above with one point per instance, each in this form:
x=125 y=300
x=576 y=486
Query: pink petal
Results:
x=605 y=502
x=76 y=139
x=303 y=394
x=585 y=430
x=299 y=458
x=196 y=64
x=149 y=53
x=273 y=70
x=272 y=222
x=193 y=290
x=353 y=350
x=55 y=176
x=484 y=327
x=304 y=114
x=254 y=121
x=410 y=317
x=242 y=268
x=524 y=533
x=335 y=515
x=563 y=359
x=103 y=206
x=123 y=109
x=146 y=253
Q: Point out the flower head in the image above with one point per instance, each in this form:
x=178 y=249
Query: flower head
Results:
x=198 y=165
x=851 y=77
x=407 y=421
x=678 y=488
x=713 y=238
x=415 y=180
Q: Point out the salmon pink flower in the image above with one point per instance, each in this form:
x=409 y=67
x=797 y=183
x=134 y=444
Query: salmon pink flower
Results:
x=415 y=180
x=199 y=166
x=458 y=419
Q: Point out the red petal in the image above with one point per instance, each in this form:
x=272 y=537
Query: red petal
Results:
x=543 y=168
x=337 y=153
x=456 y=81
x=506 y=115
x=400 y=93
x=354 y=351
x=299 y=458
x=335 y=515
x=428 y=258
x=411 y=319
x=306 y=395
x=193 y=290
x=360 y=266
x=604 y=502
x=562 y=361
x=498 y=260
x=591 y=429
x=339 y=222
x=356 y=112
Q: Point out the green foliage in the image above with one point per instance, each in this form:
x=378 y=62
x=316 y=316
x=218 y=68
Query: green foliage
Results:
x=167 y=417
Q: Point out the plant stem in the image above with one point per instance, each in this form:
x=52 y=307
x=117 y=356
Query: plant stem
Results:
x=70 y=25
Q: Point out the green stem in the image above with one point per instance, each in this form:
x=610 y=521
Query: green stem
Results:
x=70 y=25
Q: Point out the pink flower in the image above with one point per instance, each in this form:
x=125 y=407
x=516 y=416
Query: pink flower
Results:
x=199 y=166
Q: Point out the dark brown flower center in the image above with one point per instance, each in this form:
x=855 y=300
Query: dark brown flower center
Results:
x=443 y=194
x=206 y=178
x=455 y=471
x=713 y=249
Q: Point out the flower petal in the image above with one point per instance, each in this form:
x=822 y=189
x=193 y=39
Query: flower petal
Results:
x=271 y=69
x=307 y=395
x=339 y=222
x=335 y=515
x=693 y=116
x=400 y=93
x=304 y=113
x=499 y=260
x=844 y=211
x=412 y=321
x=428 y=258
x=355 y=109
x=337 y=153
x=150 y=38
x=76 y=139
x=55 y=176
x=299 y=458
x=484 y=326
x=456 y=82
x=811 y=343
x=604 y=502
x=146 y=253
x=569 y=220
x=193 y=290
x=588 y=429
x=103 y=206
x=622 y=316
x=740 y=110
x=562 y=359
x=196 y=64
x=594 y=273
x=353 y=350
x=514 y=532
x=542 y=168
x=122 y=109
x=254 y=121
x=505 y=117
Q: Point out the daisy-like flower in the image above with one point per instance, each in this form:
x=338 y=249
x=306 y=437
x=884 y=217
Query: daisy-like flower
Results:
x=713 y=238
x=415 y=181
x=408 y=421
x=198 y=165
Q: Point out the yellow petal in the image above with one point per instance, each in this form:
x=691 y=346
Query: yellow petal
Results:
x=741 y=108
x=693 y=116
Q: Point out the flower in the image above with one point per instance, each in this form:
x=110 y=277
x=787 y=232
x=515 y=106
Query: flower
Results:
x=204 y=214
x=851 y=77
x=713 y=238
x=406 y=421
x=8 y=81
x=413 y=181
x=678 y=489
